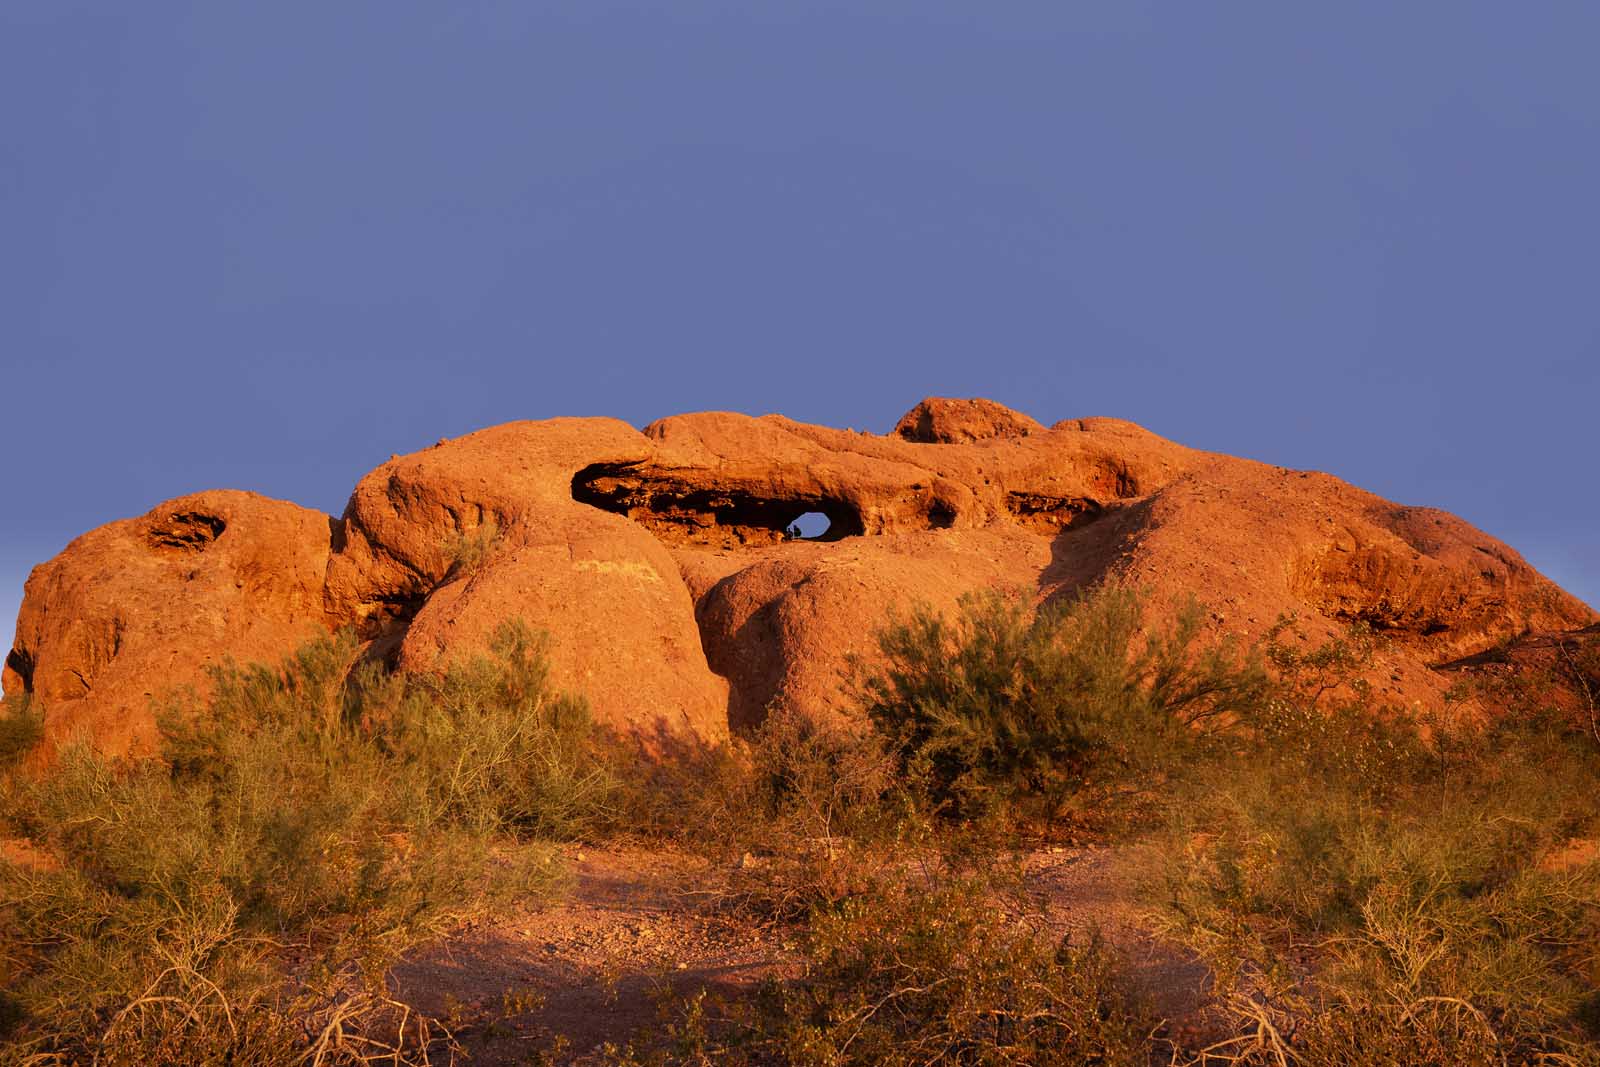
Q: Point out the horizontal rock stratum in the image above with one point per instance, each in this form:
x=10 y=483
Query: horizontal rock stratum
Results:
x=661 y=561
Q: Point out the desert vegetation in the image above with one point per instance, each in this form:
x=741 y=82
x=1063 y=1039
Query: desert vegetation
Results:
x=241 y=899
x=1362 y=886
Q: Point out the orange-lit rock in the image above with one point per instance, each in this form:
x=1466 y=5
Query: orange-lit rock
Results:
x=661 y=562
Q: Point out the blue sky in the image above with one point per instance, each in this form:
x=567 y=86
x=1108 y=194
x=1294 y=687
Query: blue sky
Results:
x=265 y=246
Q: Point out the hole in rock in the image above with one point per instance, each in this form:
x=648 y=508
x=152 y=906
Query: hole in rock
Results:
x=1048 y=514
x=389 y=615
x=812 y=526
x=22 y=664
x=684 y=512
x=187 y=531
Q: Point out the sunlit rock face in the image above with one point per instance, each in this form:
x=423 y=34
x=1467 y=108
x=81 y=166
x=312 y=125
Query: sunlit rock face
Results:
x=684 y=600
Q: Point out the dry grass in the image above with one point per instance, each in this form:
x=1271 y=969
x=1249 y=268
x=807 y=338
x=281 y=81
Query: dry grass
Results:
x=1368 y=896
x=242 y=900
x=921 y=970
x=1364 y=894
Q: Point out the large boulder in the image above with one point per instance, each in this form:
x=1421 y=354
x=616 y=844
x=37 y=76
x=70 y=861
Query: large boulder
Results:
x=440 y=547
x=1256 y=542
x=137 y=608
x=786 y=629
x=941 y=420
x=666 y=567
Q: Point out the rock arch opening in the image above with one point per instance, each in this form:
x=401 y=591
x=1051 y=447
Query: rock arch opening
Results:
x=683 y=513
x=810 y=526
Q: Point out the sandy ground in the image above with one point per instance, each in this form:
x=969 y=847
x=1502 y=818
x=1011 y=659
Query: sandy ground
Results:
x=595 y=966
x=592 y=967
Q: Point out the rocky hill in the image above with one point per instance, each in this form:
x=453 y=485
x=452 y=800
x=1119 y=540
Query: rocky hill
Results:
x=665 y=564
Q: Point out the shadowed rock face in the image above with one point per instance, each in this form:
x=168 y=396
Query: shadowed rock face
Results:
x=662 y=564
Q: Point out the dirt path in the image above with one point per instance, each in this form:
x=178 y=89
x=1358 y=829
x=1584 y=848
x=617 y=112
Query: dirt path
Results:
x=1083 y=892
x=592 y=968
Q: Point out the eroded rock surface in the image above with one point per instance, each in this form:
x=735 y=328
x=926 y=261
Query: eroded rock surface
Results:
x=942 y=420
x=141 y=606
x=665 y=566
x=442 y=546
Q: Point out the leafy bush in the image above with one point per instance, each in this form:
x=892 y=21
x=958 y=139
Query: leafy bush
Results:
x=1366 y=896
x=471 y=549
x=299 y=823
x=808 y=815
x=1368 y=888
x=1366 y=892
x=1333 y=667
x=1008 y=707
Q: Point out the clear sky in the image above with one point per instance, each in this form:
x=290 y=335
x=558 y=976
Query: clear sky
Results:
x=266 y=245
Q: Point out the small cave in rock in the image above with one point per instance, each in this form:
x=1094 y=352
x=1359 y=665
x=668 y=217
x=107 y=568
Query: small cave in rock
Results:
x=1050 y=514
x=387 y=616
x=382 y=624
x=186 y=531
x=681 y=513
x=21 y=664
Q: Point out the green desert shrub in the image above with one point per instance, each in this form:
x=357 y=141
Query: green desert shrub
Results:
x=796 y=814
x=471 y=549
x=1367 y=895
x=305 y=827
x=948 y=974
x=1368 y=888
x=1004 y=706
x=817 y=816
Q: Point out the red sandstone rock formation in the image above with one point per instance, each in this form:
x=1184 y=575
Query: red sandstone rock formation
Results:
x=660 y=561
x=141 y=606
x=939 y=420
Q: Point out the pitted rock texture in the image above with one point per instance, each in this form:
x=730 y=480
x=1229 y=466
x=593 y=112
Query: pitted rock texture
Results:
x=663 y=564
x=942 y=420
x=138 y=607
